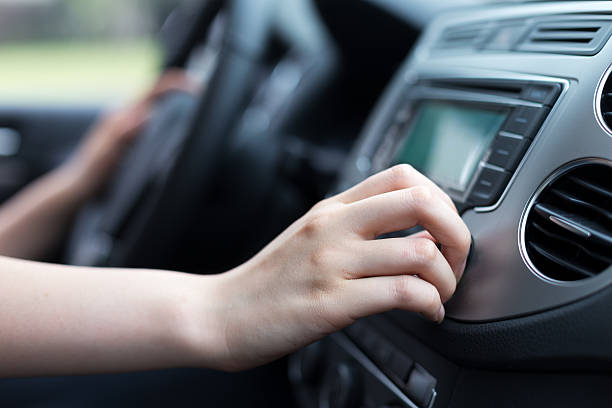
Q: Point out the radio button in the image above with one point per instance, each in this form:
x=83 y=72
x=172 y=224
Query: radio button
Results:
x=525 y=121
x=507 y=151
x=421 y=386
x=488 y=186
x=546 y=94
x=400 y=365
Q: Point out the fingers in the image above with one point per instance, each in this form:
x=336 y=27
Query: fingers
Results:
x=120 y=126
x=423 y=234
x=395 y=178
x=369 y=296
x=403 y=209
x=405 y=256
x=171 y=80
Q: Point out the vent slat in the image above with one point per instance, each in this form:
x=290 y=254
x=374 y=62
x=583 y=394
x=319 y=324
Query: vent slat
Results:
x=571 y=198
x=568 y=234
x=568 y=36
x=564 y=39
x=593 y=186
x=603 y=257
x=558 y=260
x=576 y=224
x=590 y=29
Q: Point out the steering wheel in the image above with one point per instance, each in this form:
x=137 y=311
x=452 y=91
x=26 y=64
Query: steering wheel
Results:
x=170 y=171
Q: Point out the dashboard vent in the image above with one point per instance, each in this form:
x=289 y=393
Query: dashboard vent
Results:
x=580 y=37
x=605 y=103
x=461 y=37
x=568 y=230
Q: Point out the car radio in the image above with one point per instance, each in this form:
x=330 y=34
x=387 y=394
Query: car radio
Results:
x=467 y=135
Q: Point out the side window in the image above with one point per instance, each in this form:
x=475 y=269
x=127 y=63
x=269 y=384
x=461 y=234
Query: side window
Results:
x=78 y=52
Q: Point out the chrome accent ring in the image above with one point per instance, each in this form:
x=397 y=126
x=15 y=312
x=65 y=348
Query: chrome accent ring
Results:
x=597 y=100
x=527 y=210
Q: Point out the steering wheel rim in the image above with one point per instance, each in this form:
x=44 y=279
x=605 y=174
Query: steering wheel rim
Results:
x=135 y=231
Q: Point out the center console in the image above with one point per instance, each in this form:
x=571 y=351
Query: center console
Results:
x=507 y=108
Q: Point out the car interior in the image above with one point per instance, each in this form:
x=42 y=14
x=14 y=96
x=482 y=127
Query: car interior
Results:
x=507 y=105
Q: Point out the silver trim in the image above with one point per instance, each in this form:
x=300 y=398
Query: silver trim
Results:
x=348 y=346
x=596 y=101
x=527 y=210
x=569 y=226
x=508 y=134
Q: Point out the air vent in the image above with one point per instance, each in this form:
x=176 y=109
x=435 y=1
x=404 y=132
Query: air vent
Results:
x=462 y=37
x=579 y=37
x=605 y=102
x=568 y=230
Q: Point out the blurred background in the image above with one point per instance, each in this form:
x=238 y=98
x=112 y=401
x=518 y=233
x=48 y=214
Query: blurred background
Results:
x=78 y=52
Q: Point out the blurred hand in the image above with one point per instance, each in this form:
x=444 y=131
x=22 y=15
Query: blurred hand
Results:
x=327 y=269
x=108 y=139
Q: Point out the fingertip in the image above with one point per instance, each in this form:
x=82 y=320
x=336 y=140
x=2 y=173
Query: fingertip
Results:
x=467 y=259
x=440 y=316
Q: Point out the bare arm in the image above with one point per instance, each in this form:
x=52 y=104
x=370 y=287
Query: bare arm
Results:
x=33 y=221
x=57 y=319
x=320 y=275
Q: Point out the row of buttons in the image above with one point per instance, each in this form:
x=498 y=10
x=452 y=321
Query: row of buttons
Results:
x=418 y=384
x=511 y=142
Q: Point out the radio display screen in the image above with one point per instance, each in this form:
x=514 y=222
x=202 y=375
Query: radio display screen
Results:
x=446 y=141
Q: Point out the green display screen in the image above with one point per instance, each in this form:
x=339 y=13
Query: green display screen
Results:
x=447 y=141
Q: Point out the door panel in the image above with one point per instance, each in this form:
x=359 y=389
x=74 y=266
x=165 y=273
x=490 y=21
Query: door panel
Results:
x=34 y=140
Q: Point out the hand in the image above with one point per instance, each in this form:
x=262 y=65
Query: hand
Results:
x=328 y=270
x=108 y=139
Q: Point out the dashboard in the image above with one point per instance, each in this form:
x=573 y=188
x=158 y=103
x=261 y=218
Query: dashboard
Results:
x=508 y=107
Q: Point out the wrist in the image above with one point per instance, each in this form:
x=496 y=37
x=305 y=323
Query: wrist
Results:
x=201 y=322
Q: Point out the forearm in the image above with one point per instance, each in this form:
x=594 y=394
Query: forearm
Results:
x=320 y=275
x=35 y=220
x=69 y=320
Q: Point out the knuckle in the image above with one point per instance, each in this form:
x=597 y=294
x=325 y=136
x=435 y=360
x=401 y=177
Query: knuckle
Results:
x=401 y=289
x=316 y=222
x=420 y=196
x=321 y=204
x=424 y=250
x=322 y=258
x=401 y=175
